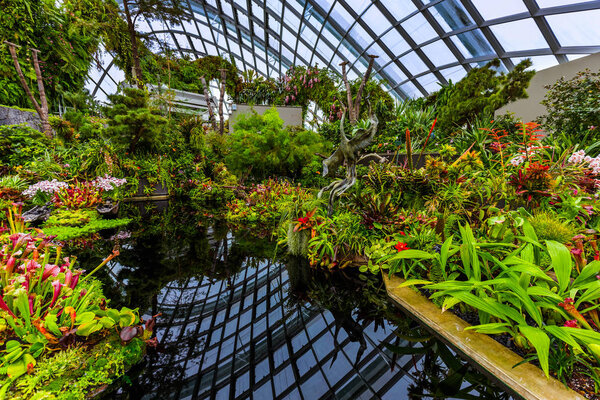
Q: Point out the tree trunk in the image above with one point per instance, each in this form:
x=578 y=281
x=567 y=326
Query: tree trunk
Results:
x=43 y=100
x=362 y=86
x=43 y=109
x=221 y=100
x=348 y=93
x=135 y=55
x=135 y=140
x=211 y=113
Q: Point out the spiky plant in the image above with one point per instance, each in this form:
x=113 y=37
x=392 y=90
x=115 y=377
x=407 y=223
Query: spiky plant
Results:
x=548 y=226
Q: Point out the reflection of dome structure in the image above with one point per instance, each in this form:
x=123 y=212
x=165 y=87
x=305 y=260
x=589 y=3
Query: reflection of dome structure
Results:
x=419 y=43
x=241 y=335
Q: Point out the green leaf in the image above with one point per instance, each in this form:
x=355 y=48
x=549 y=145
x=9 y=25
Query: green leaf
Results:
x=493 y=328
x=587 y=336
x=412 y=282
x=417 y=254
x=591 y=293
x=561 y=263
x=561 y=333
x=107 y=322
x=88 y=328
x=590 y=270
x=480 y=304
x=541 y=342
x=85 y=317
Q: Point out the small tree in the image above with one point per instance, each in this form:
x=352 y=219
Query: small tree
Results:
x=132 y=124
x=481 y=91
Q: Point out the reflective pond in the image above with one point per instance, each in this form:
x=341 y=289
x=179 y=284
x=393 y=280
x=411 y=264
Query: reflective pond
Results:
x=240 y=320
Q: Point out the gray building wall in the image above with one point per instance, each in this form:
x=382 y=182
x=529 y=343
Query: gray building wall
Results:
x=291 y=116
x=529 y=109
x=13 y=116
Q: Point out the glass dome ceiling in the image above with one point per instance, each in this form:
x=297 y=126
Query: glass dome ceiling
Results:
x=419 y=43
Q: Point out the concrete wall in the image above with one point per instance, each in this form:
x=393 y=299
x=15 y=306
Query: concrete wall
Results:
x=13 y=116
x=529 y=109
x=291 y=116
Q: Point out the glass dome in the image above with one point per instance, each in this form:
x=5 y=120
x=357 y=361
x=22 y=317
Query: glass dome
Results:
x=420 y=44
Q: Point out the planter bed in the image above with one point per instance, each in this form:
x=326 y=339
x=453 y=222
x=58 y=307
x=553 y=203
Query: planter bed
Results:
x=489 y=356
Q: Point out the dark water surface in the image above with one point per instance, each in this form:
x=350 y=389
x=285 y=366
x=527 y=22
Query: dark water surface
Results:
x=240 y=323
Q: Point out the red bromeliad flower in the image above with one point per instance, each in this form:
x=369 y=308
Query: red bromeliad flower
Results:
x=304 y=222
x=571 y=324
x=401 y=247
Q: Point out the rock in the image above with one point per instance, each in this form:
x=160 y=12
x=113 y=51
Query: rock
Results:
x=108 y=209
x=14 y=116
x=37 y=214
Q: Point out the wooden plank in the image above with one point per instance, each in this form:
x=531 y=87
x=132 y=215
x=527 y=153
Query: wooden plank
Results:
x=492 y=358
x=148 y=198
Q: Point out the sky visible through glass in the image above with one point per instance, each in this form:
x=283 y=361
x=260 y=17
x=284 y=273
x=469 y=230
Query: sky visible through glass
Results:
x=420 y=44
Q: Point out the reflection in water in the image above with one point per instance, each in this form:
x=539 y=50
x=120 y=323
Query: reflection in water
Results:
x=236 y=325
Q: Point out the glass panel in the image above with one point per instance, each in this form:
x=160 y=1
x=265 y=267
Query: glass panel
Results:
x=411 y=90
x=395 y=42
x=438 y=53
x=419 y=29
x=395 y=73
x=358 y=6
x=383 y=59
x=429 y=82
x=413 y=63
x=451 y=15
x=554 y=3
x=455 y=73
x=376 y=20
x=473 y=44
x=539 y=62
x=341 y=16
x=399 y=9
x=519 y=35
x=496 y=9
x=576 y=29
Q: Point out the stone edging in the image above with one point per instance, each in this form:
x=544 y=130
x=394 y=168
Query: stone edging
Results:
x=492 y=358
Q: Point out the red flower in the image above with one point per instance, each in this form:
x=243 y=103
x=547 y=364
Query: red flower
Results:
x=401 y=247
x=571 y=323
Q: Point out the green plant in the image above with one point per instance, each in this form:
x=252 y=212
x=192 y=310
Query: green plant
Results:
x=132 y=125
x=573 y=105
x=481 y=92
x=20 y=144
x=261 y=147
x=45 y=303
x=548 y=226
x=13 y=182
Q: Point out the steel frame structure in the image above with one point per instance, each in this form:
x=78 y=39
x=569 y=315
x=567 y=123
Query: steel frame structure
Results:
x=420 y=43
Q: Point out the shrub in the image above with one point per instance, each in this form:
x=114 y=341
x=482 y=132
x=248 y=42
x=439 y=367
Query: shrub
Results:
x=573 y=105
x=549 y=227
x=20 y=144
x=261 y=147
x=132 y=125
